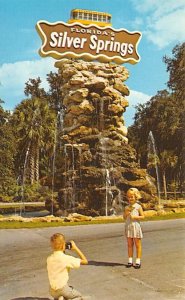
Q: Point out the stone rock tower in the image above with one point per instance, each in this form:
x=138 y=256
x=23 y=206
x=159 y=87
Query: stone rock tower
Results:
x=98 y=164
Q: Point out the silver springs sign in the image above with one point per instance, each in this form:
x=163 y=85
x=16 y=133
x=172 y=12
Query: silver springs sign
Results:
x=62 y=40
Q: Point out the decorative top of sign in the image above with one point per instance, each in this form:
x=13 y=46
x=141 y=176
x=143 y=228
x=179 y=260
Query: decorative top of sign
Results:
x=89 y=17
x=88 y=42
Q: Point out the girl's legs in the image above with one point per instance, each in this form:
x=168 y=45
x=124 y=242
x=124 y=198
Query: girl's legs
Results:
x=138 y=251
x=130 y=244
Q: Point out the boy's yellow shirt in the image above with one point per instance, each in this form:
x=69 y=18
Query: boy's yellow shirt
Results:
x=58 y=265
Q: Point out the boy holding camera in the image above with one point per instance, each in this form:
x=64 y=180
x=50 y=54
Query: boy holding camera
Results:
x=58 y=266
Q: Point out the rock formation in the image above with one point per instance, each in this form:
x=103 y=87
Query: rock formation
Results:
x=98 y=165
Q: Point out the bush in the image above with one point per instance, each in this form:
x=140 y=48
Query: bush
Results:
x=5 y=198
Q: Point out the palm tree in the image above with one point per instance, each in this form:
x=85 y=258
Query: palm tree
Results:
x=34 y=121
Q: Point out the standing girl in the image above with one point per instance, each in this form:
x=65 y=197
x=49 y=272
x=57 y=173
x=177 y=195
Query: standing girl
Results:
x=133 y=213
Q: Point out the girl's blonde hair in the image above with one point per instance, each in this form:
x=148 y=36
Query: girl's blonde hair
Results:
x=136 y=193
x=57 y=241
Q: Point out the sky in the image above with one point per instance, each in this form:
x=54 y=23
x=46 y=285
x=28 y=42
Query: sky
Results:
x=161 y=23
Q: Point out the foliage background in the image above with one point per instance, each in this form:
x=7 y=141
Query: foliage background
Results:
x=28 y=135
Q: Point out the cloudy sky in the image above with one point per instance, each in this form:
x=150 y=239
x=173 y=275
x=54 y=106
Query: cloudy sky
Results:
x=161 y=23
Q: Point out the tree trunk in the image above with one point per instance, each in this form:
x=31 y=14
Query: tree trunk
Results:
x=164 y=186
x=32 y=164
x=37 y=164
x=175 y=190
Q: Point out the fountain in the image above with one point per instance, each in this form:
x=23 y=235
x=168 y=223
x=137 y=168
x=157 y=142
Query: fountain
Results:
x=22 y=207
x=97 y=163
x=153 y=160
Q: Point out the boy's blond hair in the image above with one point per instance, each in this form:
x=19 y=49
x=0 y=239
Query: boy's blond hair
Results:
x=57 y=241
x=136 y=193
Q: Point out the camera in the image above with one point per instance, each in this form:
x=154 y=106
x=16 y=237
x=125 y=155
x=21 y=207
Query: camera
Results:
x=68 y=246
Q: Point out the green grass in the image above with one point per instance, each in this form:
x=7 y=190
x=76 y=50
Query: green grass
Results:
x=18 y=225
x=166 y=217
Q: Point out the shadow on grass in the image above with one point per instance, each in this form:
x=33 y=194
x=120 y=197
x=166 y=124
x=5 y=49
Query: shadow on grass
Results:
x=30 y=298
x=103 y=263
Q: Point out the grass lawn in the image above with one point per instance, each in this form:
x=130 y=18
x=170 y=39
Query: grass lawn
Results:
x=17 y=225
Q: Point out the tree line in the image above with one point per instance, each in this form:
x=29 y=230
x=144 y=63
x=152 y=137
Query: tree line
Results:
x=27 y=140
x=164 y=116
x=28 y=133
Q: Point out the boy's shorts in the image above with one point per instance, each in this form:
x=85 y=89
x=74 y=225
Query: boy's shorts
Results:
x=68 y=292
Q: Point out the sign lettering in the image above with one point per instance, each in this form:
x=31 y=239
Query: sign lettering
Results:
x=62 y=40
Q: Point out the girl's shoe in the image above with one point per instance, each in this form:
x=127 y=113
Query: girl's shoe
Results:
x=129 y=265
x=137 y=266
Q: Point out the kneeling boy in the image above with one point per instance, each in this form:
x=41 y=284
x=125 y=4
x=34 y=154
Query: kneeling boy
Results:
x=58 y=266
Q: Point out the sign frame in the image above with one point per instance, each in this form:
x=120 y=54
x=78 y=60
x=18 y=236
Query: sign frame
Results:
x=86 y=55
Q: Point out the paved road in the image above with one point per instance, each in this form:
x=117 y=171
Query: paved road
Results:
x=162 y=276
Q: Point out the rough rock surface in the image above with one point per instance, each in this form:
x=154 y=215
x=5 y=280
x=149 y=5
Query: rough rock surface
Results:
x=98 y=163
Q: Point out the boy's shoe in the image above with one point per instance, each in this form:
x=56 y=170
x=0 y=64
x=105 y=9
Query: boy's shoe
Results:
x=137 y=266
x=129 y=265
